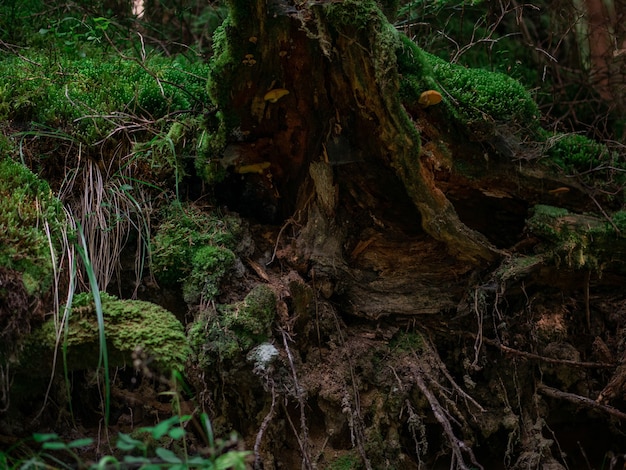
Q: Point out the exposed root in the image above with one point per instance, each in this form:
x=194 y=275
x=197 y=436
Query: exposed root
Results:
x=258 y=463
x=303 y=439
x=416 y=424
x=580 y=401
x=549 y=360
x=458 y=446
x=427 y=370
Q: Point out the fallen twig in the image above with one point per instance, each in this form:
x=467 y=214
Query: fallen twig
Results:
x=258 y=464
x=458 y=446
x=549 y=360
x=304 y=441
x=579 y=400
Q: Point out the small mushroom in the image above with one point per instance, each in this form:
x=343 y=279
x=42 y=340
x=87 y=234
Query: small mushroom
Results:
x=282 y=53
x=253 y=39
x=429 y=98
x=274 y=95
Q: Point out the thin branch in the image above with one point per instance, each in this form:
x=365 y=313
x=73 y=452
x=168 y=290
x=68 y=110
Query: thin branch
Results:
x=258 y=464
x=458 y=446
x=304 y=443
x=549 y=360
x=579 y=400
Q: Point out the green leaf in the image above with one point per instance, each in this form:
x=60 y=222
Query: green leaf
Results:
x=167 y=455
x=198 y=460
x=80 y=442
x=135 y=459
x=163 y=427
x=54 y=445
x=235 y=460
x=107 y=462
x=43 y=437
x=176 y=433
x=125 y=442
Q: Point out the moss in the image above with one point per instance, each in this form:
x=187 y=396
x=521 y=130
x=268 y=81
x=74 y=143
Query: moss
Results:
x=209 y=264
x=58 y=90
x=416 y=71
x=26 y=205
x=407 y=342
x=574 y=152
x=226 y=58
x=194 y=248
x=234 y=329
x=477 y=91
x=577 y=240
x=470 y=94
x=129 y=324
x=543 y=221
x=350 y=461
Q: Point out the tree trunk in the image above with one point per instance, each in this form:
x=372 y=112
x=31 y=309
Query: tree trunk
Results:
x=337 y=61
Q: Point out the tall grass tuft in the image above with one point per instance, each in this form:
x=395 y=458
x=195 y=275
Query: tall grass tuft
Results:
x=103 y=360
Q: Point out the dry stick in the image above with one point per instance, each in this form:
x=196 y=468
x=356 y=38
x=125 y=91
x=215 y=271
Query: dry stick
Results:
x=606 y=216
x=280 y=233
x=458 y=446
x=306 y=461
x=478 y=343
x=444 y=370
x=587 y=308
x=549 y=360
x=578 y=400
x=259 y=436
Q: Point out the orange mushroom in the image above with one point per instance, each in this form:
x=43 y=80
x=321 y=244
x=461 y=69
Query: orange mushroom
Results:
x=429 y=98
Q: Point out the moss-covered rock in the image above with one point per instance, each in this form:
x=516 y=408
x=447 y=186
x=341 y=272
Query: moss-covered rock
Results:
x=129 y=325
x=28 y=210
x=194 y=249
x=26 y=206
x=233 y=329
x=209 y=264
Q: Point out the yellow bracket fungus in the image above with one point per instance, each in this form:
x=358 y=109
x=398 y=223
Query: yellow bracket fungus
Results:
x=429 y=98
x=253 y=168
x=274 y=95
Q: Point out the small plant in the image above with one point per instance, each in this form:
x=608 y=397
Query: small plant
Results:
x=151 y=451
x=172 y=430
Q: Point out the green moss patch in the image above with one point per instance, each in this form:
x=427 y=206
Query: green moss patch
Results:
x=233 y=329
x=87 y=92
x=26 y=206
x=577 y=153
x=195 y=249
x=129 y=325
x=471 y=94
x=577 y=240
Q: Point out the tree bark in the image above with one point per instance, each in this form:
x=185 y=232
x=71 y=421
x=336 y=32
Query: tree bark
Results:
x=337 y=62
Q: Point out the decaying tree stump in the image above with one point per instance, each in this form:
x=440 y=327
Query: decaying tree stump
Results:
x=402 y=213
